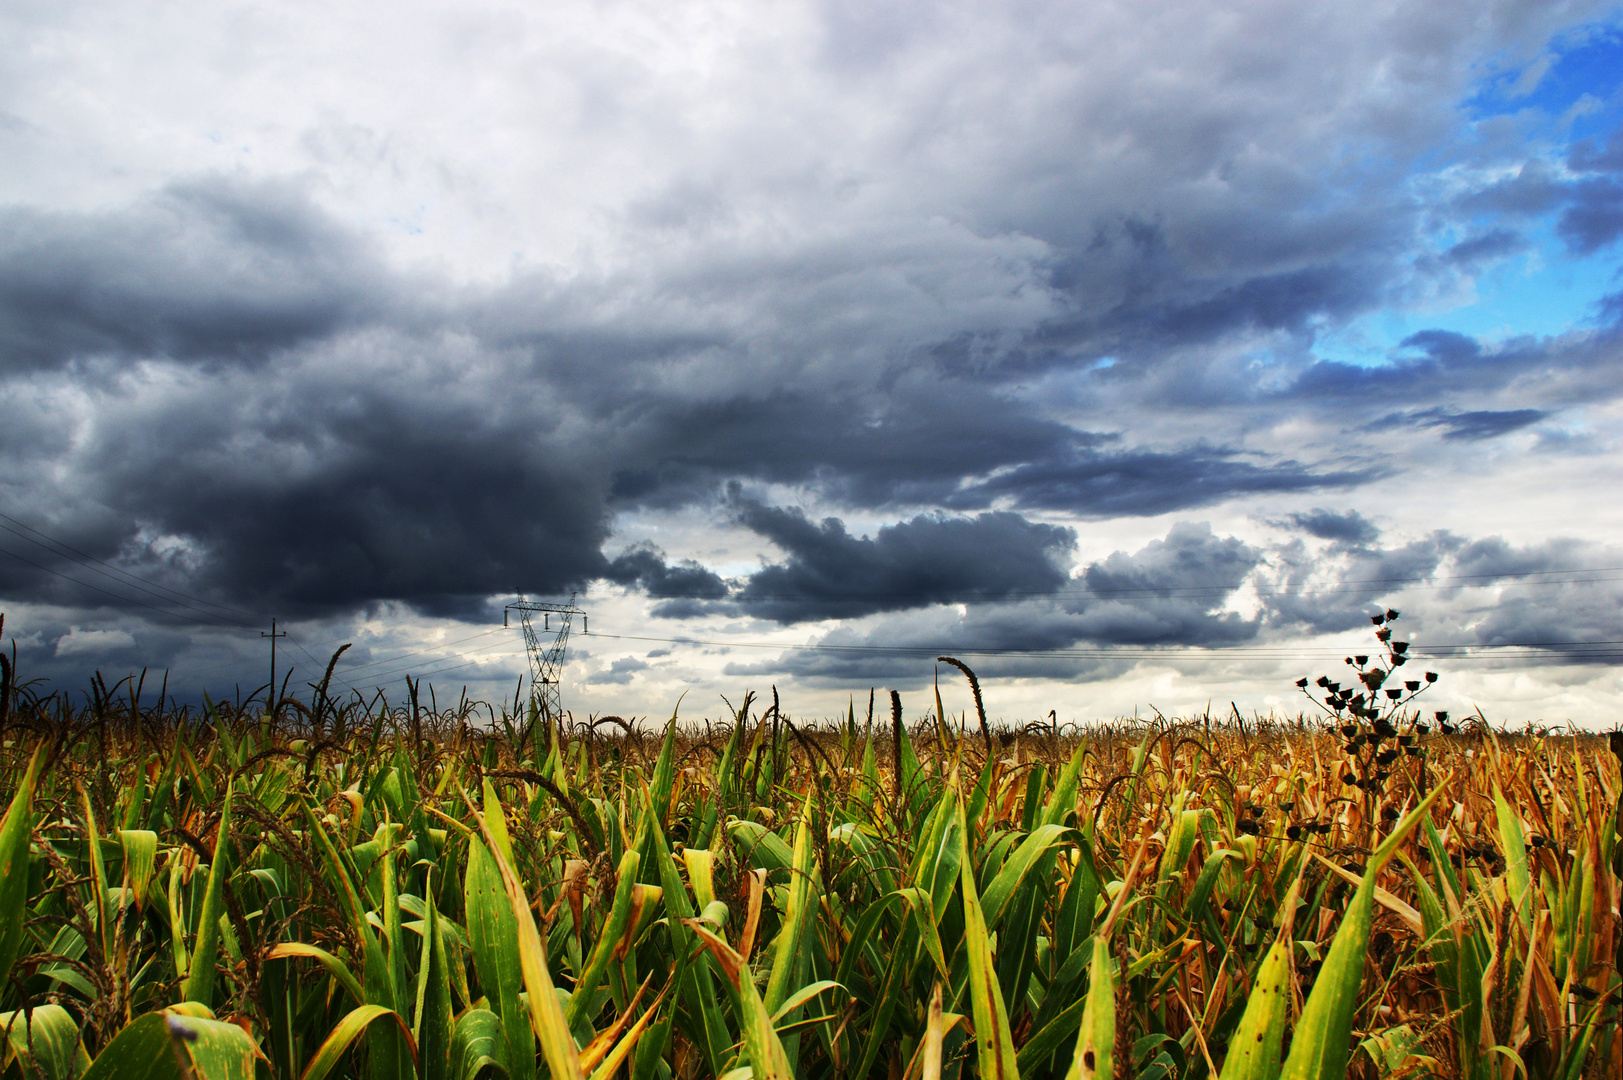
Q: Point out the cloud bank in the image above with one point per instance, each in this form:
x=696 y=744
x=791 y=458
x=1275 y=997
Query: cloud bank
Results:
x=324 y=342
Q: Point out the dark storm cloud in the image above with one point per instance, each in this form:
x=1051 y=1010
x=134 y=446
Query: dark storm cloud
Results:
x=1534 y=189
x=920 y=447
x=1444 y=346
x=1590 y=203
x=432 y=513
x=1559 y=590
x=1589 y=155
x=204 y=270
x=1485 y=247
x=1191 y=562
x=1432 y=366
x=1470 y=426
x=1350 y=527
x=1494 y=559
x=644 y=566
x=912 y=446
x=1550 y=593
x=1169 y=593
x=1595 y=217
x=929 y=559
x=685 y=589
x=1161 y=305
x=1283 y=301
x=368 y=463
x=1105 y=484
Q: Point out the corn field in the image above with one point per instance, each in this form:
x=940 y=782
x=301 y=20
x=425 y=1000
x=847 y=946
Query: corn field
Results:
x=392 y=893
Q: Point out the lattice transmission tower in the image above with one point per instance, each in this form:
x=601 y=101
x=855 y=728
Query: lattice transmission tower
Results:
x=546 y=648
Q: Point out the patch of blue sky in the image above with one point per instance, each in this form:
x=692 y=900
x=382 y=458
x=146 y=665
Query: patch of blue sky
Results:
x=1579 y=78
x=1541 y=292
x=1545 y=289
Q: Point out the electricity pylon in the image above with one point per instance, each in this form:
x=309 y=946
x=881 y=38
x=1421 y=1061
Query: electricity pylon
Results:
x=546 y=656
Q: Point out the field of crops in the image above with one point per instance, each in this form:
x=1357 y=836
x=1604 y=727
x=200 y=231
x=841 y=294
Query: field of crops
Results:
x=388 y=892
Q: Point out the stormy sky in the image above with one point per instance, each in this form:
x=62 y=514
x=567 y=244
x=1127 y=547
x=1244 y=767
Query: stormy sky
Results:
x=1134 y=352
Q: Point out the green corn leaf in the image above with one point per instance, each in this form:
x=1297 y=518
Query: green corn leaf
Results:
x=477 y=1040
x=613 y=930
x=864 y=933
x=1063 y=800
x=665 y=772
x=866 y=784
x=135 y=798
x=701 y=866
x=495 y=821
x=768 y=1059
x=889 y=998
x=153 y=1046
x=546 y=1012
x=432 y=1022
x=393 y=938
x=199 y=984
x=803 y=902
x=1005 y=887
x=140 y=856
x=1322 y=1039
x=935 y=865
x=694 y=984
x=759 y=846
x=1048 y=1039
x=348 y=1029
x=45 y=1040
x=1201 y=892
x=164 y=790
x=1254 y=1049
x=335 y=967
x=15 y=830
x=493 y=938
x=913 y=790
x=982 y=793
x=1031 y=807
x=1096 y=1038
x=1076 y=910
x=1515 y=848
x=177 y=922
x=994 y=1045
x=803 y=995
x=383 y=1043
x=1180 y=841
x=1457 y=947
x=713 y=807
x=101 y=903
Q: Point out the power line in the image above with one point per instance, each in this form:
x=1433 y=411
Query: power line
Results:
x=424 y=669
x=355 y=671
x=108 y=570
x=352 y=676
x=208 y=620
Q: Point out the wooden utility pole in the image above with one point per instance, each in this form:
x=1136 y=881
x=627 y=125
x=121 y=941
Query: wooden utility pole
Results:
x=270 y=695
